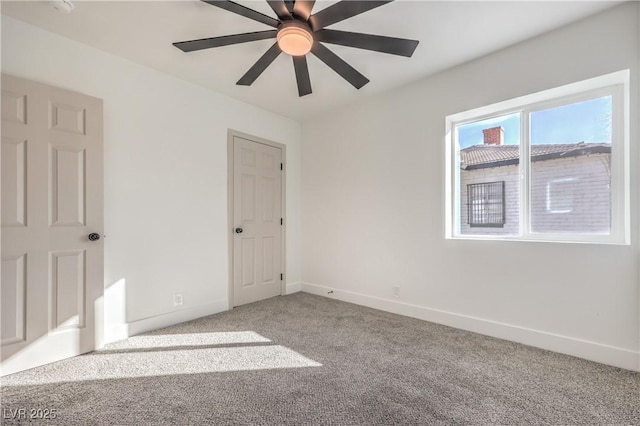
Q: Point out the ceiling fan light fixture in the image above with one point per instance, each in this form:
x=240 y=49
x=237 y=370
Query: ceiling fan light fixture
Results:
x=294 y=38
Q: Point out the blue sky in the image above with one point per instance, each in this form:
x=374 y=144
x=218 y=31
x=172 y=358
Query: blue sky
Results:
x=588 y=121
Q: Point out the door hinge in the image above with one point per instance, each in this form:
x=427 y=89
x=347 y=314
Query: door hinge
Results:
x=281 y=277
x=281 y=166
x=281 y=221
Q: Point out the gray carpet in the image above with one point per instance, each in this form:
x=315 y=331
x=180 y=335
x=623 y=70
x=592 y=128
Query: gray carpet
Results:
x=309 y=360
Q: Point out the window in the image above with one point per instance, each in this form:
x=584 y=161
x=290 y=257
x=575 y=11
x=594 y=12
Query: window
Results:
x=550 y=166
x=560 y=195
x=486 y=204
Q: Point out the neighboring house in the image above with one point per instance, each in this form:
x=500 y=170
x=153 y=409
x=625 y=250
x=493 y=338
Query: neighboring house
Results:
x=570 y=187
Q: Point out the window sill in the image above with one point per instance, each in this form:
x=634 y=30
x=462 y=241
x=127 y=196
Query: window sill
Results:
x=608 y=240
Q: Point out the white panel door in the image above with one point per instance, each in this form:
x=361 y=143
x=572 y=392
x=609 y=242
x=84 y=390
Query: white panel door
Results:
x=257 y=218
x=52 y=273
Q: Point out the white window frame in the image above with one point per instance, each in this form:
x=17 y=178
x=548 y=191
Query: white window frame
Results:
x=615 y=85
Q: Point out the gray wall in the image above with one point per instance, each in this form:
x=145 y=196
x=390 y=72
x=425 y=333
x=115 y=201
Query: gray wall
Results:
x=165 y=162
x=373 y=206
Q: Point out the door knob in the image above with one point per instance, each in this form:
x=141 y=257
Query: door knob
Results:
x=239 y=230
x=94 y=237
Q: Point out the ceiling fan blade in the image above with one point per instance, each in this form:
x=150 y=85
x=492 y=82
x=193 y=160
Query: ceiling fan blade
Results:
x=243 y=11
x=377 y=43
x=261 y=65
x=289 y=4
x=207 y=43
x=280 y=9
x=302 y=8
x=341 y=11
x=302 y=75
x=336 y=63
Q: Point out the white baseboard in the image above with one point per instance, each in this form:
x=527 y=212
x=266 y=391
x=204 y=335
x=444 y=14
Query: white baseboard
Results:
x=618 y=357
x=115 y=332
x=175 y=317
x=293 y=288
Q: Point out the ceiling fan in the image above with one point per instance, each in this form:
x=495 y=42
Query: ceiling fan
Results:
x=298 y=32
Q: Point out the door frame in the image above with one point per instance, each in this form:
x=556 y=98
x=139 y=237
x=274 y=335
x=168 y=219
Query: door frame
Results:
x=230 y=204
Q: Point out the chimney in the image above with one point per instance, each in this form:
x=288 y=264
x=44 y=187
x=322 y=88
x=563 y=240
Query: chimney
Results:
x=493 y=136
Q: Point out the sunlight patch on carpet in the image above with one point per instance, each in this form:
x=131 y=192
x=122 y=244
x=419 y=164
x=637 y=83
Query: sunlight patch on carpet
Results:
x=168 y=354
x=190 y=339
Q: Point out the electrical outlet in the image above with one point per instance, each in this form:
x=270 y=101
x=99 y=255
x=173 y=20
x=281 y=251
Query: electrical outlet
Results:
x=177 y=299
x=396 y=291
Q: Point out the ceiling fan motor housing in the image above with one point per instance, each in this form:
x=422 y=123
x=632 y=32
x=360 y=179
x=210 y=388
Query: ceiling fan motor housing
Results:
x=295 y=37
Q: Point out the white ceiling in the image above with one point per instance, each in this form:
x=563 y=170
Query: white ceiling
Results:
x=450 y=33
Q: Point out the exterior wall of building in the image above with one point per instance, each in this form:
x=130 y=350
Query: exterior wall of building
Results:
x=571 y=195
x=567 y=195
x=508 y=174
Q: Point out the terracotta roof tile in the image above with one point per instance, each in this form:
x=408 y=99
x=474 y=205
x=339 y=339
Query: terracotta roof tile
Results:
x=482 y=156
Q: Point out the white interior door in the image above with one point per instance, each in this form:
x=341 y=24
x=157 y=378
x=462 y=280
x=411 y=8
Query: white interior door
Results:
x=52 y=273
x=257 y=219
